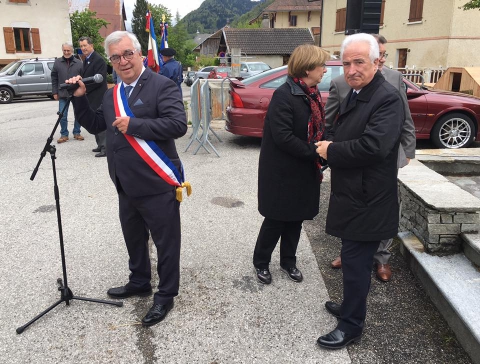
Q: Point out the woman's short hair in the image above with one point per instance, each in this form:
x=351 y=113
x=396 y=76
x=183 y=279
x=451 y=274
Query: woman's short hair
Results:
x=306 y=57
x=117 y=36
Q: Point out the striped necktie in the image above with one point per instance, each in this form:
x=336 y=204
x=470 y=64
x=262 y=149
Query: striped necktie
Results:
x=128 y=90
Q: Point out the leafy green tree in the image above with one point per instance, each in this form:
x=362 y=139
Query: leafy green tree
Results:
x=139 y=21
x=86 y=24
x=472 y=4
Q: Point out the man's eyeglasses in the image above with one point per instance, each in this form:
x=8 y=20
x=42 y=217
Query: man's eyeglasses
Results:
x=127 y=56
x=383 y=55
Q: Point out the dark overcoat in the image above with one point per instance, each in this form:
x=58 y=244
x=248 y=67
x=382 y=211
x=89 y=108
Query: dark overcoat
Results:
x=363 y=162
x=159 y=116
x=288 y=179
x=95 y=64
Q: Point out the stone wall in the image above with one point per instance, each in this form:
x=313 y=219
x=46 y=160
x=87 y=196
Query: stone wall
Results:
x=438 y=229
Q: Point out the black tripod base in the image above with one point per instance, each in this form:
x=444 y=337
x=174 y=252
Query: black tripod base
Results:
x=66 y=296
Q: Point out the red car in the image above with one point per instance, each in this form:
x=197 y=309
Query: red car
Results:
x=220 y=72
x=450 y=120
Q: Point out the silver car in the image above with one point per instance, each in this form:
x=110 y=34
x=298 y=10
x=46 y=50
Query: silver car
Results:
x=249 y=69
x=26 y=77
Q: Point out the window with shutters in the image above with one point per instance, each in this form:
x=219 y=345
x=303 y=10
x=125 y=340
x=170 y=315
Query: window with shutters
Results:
x=341 y=20
x=416 y=10
x=22 y=40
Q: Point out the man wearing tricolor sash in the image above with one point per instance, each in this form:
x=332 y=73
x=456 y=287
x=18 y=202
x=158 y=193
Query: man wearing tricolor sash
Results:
x=142 y=116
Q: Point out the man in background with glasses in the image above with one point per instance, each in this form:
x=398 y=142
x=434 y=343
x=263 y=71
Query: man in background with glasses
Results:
x=94 y=64
x=339 y=89
x=142 y=115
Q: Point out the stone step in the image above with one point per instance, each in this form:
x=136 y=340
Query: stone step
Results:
x=453 y=284
x=471 y=247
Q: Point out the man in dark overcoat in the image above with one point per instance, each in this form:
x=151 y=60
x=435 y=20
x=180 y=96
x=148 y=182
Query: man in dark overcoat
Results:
x=147 y=202
x=362 y=151
x=94 y=64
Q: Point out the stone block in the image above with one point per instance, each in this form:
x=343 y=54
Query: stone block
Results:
x=466 y=219
x=446 y=218
x=450 y=229
x=433 y=218
x=450 y=239
x=470 y=228
x=432 y=238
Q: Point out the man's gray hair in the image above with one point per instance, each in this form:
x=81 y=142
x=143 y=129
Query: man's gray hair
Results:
x=68 y=44
x=362 y=38
x=116 y=37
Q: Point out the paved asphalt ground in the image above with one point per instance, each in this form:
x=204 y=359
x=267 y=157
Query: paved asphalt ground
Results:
x=221 y=315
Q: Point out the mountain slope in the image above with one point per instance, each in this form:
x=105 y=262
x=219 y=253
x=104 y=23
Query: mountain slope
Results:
x=215 y=14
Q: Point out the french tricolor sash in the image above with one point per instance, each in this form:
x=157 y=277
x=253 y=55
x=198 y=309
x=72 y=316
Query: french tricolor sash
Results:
x=148 y=150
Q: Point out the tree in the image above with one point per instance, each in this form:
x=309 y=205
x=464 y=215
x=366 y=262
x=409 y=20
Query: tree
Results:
x=472 y=4
x=86 y=24
x=139 y=21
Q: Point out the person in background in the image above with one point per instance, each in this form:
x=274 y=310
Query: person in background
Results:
x=94 y=64
x=64 y=68
x=361 y=149
x=142 y=115
x=172 y=68
x=289 y=170
x=338 y=91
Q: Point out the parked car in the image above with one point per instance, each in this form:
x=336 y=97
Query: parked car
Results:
x=26 y=77
x=203 y=72
x=450 y=120
x=249 y=69
x=220 y=72
x=189 y=78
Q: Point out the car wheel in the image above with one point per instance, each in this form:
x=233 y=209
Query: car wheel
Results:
x=453 y=131
x=6 y=95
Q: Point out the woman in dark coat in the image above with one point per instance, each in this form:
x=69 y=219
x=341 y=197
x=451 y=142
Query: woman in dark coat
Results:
x=289 y=172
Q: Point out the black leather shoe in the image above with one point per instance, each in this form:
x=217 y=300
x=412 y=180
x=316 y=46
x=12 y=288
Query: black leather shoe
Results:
x=124 y=292
x=263 y=276
x=333 y=308
x=156 y=314
x=294 y=274
x=337 y=339
x=101 y=154
x=96 y=150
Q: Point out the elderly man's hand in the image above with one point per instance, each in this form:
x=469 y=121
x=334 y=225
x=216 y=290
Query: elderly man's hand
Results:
x=121 y=123
x=322 y=148
x=81 y=90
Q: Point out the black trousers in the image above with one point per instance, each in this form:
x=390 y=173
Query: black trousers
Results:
x=159 y=215
x=357 y=264
x=101 y=139
x=270 y=232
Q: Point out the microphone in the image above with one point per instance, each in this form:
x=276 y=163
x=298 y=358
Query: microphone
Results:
x=98 y=78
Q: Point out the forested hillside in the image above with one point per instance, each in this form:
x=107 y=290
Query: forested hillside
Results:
x=215 y=14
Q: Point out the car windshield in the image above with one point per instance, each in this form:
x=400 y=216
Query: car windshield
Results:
x=11 y=68
x=190 y=74
x=5 y=69
x=258 y=67
x=224 y=69
x=262 y=75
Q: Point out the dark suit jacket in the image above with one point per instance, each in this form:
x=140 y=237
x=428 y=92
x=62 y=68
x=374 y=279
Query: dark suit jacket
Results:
x=159 y=116
x=363 y=162
x=95 y=64
x=288 y=179
x=339 y=89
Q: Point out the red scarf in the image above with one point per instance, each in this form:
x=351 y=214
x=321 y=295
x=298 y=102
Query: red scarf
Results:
x=316 y=123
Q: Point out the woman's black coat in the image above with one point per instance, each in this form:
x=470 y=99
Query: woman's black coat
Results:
x=363 y=162
x=288 y=179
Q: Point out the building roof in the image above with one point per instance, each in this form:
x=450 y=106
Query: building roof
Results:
x=293 y=5
x=267 y=40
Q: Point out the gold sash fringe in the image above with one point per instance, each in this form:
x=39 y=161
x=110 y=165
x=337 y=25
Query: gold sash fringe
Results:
x=186 y=185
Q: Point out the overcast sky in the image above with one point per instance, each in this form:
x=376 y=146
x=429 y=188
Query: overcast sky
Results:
x=183 y=7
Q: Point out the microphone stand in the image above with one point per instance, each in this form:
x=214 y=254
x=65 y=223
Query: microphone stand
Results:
x=66 y=294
